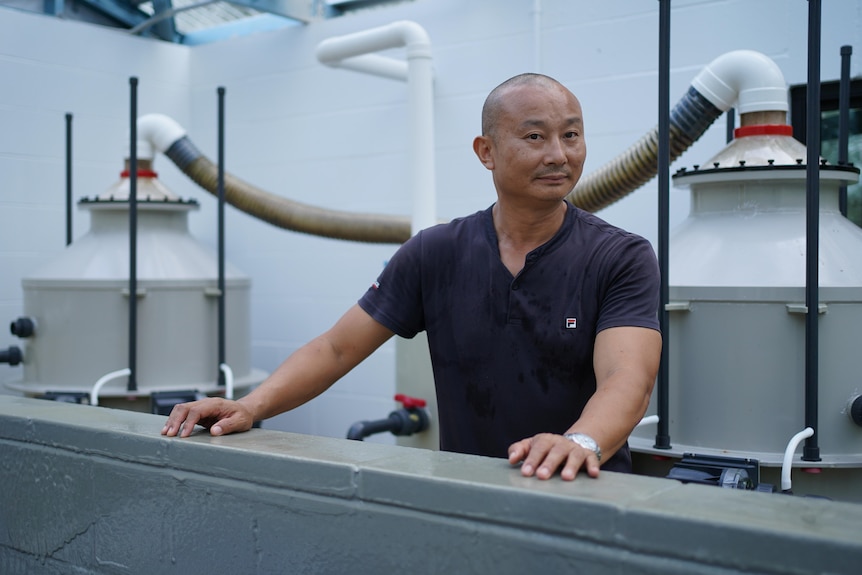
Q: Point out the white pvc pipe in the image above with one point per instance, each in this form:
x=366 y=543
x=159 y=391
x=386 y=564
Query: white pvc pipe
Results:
x=94 y=393
x=156 y=133
x=744 y=76
x=228 y=380
x=787 y=464
x=648 y=420
x=355 y=52
x=537 y=36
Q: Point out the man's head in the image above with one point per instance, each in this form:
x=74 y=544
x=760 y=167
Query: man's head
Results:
x=532 y=137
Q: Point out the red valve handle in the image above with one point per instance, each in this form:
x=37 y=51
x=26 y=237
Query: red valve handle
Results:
x=410 y=402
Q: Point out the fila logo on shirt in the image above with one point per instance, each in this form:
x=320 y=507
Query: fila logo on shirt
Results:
x=571 y=322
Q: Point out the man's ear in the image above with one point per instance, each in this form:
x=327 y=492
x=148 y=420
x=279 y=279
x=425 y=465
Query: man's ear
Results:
x=482 y=147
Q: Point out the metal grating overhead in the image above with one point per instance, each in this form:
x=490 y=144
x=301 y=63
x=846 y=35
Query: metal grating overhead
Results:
x=195 y=21
x=194 y=15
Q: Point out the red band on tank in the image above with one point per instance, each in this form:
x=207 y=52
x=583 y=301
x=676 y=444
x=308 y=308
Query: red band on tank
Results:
x=763 y=130
x=141 y=174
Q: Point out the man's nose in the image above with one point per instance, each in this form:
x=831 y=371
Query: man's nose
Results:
x=555 y=152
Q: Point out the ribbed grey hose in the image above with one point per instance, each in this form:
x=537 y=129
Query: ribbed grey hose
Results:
x=636 y=166
x=285 y=213
x=688 y=121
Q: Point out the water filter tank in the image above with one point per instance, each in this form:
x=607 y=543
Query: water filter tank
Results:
x=79 y=304
x=737 y=274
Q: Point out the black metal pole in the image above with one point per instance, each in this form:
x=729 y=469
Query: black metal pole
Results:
x=221 y=286
x=662 y=438
x=133 y=236
x=731 y=124
x=811 y=452
x=844 y=122
x=68 y=179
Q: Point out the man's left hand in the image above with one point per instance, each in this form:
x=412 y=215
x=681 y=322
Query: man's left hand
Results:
x=544 y=453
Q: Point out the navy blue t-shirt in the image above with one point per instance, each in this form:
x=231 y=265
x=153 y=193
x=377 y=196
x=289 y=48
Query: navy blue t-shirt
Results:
x=513 y=356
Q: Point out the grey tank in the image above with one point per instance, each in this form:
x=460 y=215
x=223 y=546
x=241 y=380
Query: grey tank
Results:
x=79 y=302
x=737 y=310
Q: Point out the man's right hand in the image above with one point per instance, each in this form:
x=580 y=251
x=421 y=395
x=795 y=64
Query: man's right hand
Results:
x=220 y=416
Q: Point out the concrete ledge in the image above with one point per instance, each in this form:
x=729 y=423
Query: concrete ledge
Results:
x=95 y=490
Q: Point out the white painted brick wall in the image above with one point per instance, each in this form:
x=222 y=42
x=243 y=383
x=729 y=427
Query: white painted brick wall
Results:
x=337 y=138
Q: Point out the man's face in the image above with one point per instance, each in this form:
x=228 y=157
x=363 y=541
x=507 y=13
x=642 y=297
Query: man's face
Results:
x=537 y=149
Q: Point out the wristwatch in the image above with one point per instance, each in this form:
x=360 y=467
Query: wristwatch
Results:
x=586 y=442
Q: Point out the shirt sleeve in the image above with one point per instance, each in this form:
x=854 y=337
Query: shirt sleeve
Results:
x=631 y=294
x=395 y=299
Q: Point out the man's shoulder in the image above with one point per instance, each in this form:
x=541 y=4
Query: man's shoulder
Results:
x=457 y=228
x=590 y=223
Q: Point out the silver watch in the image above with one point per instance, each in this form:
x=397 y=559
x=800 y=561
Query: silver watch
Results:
x=586 y=442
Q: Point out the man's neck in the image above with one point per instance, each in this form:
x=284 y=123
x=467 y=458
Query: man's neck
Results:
x=527 y=229
x=520 y=231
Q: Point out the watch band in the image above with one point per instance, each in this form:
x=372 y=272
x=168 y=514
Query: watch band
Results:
x=586 y=442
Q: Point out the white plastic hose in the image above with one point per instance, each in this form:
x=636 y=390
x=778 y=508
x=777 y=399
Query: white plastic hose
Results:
x=648 y=420
x=94 y=393
x=787 y=464
x=228 y=380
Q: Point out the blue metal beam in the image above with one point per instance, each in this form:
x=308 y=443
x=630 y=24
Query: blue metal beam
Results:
x=119 y=10
x=53 y=7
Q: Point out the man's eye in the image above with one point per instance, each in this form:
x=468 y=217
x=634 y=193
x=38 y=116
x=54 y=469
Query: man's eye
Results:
x=534 y=136
x=571 y=135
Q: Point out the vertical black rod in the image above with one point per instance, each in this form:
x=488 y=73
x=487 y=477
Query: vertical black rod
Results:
x=811 y=452
x=844 y=122
x=68 y=179
x=133 y=236
x=662 y=438
x=221 y=286
x=731 y=124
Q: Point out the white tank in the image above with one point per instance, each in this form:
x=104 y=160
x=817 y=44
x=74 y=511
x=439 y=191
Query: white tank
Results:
x=79 y=303
x=737 y=310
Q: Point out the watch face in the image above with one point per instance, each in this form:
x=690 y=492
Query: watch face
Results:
x=586 y=442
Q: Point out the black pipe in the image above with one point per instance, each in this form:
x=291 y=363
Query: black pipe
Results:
x=844 y=122
x=68 y=179
x=23 y=327
x=362 y=429
x=811 y=452
x=662 y=437
x=405 y=421
x=221 y=286
x=731 y=125
x=11 y=355
x=133 y=236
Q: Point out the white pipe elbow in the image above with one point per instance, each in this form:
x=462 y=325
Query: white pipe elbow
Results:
x=747 y=77
x=156 y=133
x=394 y=35
x=787 y=464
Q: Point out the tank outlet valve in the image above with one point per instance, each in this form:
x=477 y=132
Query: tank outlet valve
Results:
x=12 y=355
x=23 y=327
x=856 y=410
x=410 y=419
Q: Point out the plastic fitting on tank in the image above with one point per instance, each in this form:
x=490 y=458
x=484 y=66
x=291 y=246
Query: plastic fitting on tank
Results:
x=855 y=410
x=410 y=419
x=11 y=355
x=23 y=327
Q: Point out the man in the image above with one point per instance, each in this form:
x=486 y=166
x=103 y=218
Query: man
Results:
x=541 y=318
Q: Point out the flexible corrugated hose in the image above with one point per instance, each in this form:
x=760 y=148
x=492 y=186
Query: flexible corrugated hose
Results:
x=688 y=121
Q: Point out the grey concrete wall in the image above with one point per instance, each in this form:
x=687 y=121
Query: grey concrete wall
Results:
x=95 y=490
